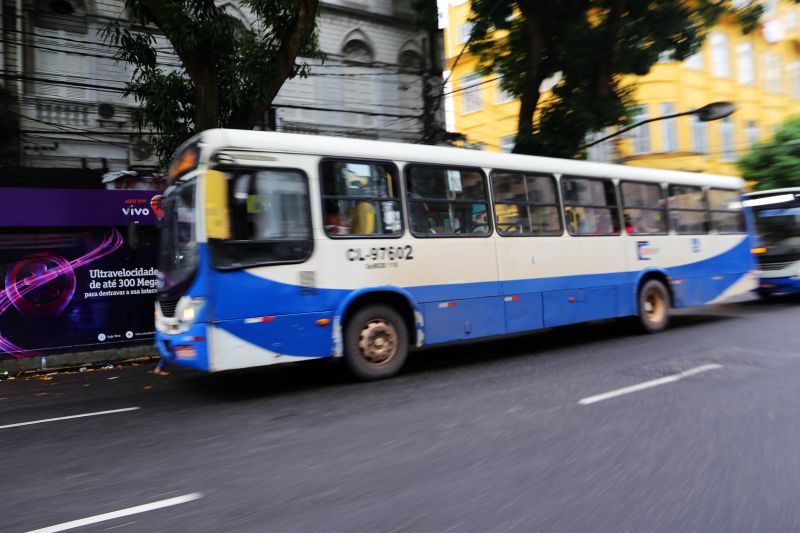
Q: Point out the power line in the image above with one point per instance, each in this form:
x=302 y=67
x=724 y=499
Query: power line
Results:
x=68 y=130
x=126 y=133
x=466 y=44
x=87 y=46
x=63 y=83
x=83 y=53
x=366 y=113
x=121 y=90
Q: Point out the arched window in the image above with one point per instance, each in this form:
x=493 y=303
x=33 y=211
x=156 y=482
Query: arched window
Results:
x=410 y=87
x=357 y=51
x=67 y=15
x=359 y=83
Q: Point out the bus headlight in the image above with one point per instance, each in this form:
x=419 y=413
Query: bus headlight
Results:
x=190 y=309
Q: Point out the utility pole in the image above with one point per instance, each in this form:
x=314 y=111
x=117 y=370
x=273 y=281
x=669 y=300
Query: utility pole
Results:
x=431 y=93
x=431 y=73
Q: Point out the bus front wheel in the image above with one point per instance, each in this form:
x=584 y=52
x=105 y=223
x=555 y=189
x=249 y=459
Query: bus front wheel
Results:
x=376 y=342
x=654 y=305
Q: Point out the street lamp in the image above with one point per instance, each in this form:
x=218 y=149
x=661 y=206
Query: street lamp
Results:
x=712 y=111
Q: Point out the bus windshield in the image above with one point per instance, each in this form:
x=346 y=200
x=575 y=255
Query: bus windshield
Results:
x=268 y=219
x=779 y=230
x=179 y=255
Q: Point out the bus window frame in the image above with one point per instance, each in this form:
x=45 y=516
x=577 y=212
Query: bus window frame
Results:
x=323 y=197
x=711 y=212
x=559 y=204
x=487 y=194
x=214 y=243
x=664 y=210
x=704 y=190
x=616 y=205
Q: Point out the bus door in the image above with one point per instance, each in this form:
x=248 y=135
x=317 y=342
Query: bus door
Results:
x=453 y=274
x=531 y=250
x=593 y=274
x=262 y=250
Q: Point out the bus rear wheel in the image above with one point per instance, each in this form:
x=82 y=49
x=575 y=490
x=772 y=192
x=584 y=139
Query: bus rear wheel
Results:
x=376 y=342
x=654 y=305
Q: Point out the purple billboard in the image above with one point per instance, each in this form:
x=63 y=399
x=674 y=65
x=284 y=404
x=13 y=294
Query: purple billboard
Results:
x=70 y=281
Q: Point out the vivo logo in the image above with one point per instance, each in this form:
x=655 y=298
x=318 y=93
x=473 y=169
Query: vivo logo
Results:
x=135 y=211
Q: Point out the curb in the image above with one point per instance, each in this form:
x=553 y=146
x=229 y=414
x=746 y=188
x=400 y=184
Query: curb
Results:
x=73 y=361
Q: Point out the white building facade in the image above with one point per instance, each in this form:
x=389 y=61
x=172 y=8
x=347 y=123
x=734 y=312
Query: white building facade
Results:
x=67 y=90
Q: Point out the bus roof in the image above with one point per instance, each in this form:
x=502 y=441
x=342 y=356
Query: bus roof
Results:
x=291 y=143
x=771 y=192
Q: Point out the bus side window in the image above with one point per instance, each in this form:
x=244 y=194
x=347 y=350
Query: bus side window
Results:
x=688 y=209
x=644 y=208
x=590 y=205
x=447 y=201
x=525 y=204
x=360 y=198
x=726 y=211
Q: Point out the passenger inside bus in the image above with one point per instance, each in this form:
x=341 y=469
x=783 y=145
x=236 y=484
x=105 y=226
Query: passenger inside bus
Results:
x=335 y=222
x=363 y=217
x=359 y=219
x=420 y=215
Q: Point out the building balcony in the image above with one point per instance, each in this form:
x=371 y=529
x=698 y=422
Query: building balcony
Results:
x=53 y=114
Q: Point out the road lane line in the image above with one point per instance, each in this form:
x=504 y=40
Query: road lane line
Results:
x=648 y=384
x=119 y=514
x=98 y=413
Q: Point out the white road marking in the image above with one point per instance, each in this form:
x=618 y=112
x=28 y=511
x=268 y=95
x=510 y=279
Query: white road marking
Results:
x=647 y=384
x=119 y=514
x=121 y=525
x=98 y=413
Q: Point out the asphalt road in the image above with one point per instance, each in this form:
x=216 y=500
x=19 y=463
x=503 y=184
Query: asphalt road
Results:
x=484 y=437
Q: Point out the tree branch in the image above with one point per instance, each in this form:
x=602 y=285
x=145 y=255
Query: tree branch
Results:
x=284 y=61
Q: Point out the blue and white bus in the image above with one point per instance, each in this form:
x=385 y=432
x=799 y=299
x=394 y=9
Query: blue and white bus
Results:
x=279 y=247
x=777 y=221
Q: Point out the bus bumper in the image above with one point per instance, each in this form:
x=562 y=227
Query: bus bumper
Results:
x=779 y=285
x=188 y=349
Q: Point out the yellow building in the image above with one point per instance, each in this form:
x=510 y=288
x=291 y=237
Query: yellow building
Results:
x=758 y=72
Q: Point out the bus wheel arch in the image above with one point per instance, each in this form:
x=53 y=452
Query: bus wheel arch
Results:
x=377 y=330
x=654 y=299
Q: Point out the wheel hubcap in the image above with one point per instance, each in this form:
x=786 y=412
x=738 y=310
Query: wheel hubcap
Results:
x=378 y=341
x=654 y=306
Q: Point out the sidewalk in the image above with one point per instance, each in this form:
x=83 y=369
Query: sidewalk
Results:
x=94 y=358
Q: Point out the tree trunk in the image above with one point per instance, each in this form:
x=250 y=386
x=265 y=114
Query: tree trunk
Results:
x=609 y=57
x=200 y=70
x=206 y=88
x=284 y=60
x=532 y=79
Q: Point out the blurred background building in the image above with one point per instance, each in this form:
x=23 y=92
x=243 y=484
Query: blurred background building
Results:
x=759 y=72
x=61 y=92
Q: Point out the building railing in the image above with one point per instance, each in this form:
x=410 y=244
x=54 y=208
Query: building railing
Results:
x=55 y=113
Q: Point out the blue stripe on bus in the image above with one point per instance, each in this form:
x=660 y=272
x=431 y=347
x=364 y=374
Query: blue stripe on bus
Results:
x=294 y=335
x=244 y=295
x=479 y=309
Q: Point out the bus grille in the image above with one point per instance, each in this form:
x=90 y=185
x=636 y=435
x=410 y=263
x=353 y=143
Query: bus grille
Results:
x=168 y=306
x=776 y=266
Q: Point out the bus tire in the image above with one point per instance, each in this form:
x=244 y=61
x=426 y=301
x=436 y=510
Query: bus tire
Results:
x=654 y=306
x=375 y=342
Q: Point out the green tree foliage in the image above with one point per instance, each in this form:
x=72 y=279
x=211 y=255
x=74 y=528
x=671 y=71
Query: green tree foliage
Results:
x=775 y=163
x=593 y=44
x=229 y=72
